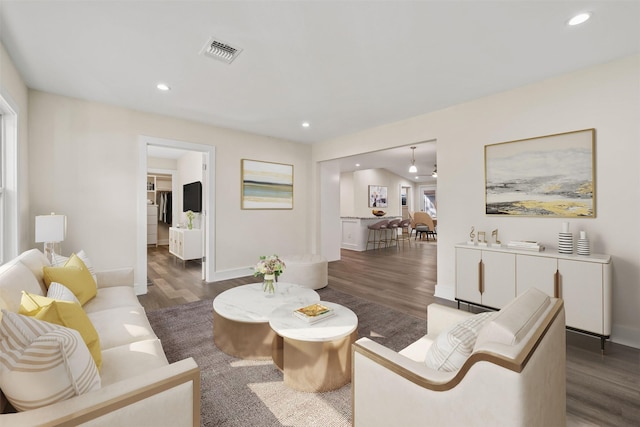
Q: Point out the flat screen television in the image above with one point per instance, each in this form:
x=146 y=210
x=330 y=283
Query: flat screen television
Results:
x=192 y=197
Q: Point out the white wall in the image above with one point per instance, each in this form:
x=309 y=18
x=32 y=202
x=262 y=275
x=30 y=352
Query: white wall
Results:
x=347 y=202
x=354 y=192
x=604 y=97
x=162 y=163
x=83 y=162
x=328 y=212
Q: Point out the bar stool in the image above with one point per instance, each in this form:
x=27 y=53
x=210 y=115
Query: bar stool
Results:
x=378 y=229
x=405 y=224
x=393 y=228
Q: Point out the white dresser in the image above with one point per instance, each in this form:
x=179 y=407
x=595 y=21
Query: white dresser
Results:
x=491 y=277
x=152 y=225
x=185 y=244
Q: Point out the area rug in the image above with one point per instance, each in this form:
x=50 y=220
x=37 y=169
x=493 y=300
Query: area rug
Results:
x=242 y=393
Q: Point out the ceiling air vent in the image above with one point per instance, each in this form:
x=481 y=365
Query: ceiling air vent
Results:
x=220 y=50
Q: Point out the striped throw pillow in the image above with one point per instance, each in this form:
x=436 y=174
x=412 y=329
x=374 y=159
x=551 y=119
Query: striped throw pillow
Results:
x=60 y=292
x=63 y=313
x=42 y=363
x=60 y=260
x=453 y=347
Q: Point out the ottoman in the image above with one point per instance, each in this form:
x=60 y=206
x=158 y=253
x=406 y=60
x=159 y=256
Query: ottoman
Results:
x=309 y=270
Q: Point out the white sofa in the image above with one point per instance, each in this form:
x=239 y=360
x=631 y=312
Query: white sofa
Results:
x=515 y=375
x=138 y=385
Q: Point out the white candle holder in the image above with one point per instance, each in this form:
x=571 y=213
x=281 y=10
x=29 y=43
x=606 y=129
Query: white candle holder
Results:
x=584 y=247
x=565 y=240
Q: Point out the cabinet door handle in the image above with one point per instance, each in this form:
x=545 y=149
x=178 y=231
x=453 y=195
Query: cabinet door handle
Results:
x=481 y=277
x=556 y=284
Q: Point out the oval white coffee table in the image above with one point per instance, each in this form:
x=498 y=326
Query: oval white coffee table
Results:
x=241 y=317
x=314 y=357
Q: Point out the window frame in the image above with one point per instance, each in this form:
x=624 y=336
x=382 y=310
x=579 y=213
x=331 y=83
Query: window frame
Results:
x=8 y=178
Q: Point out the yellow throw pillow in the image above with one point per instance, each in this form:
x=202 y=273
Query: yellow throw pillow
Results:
x=74 y=275
x=65 y=313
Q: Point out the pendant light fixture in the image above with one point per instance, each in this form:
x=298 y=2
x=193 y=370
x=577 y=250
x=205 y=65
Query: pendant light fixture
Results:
x=435 y=171
x=413 y=168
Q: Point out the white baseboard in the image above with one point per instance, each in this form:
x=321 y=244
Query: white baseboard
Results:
x=140 y=289
x=445 y=292
x=626 y=336
x=233 y=274
x=351 y=247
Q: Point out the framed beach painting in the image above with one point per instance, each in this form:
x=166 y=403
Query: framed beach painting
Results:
x=547 y=176
x=266 y=185
x=377 y=196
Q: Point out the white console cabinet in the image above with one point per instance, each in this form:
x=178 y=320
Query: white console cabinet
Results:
x=485 y=277
x=491 y=277
x=185 y=244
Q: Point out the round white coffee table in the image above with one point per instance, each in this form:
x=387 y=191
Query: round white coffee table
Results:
x=314 y=357
x=241 y=317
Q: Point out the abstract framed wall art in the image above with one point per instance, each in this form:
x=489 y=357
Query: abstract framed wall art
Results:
x=266 y=185
x=547 y=176
x=377 y=196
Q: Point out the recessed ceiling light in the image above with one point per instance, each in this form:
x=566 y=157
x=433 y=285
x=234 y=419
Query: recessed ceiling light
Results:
x=163 y=87
x=579 y=19
x=305 y=124
x=357 y=165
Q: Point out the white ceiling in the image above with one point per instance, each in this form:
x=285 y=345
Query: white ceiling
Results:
x=343 y=66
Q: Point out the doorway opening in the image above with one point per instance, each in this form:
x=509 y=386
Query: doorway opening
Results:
x=428 y=202
x=405 y=201
x=165 y=167
x=344 y=183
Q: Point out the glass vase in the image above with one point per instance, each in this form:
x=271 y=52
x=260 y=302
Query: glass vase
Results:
x=269 y=285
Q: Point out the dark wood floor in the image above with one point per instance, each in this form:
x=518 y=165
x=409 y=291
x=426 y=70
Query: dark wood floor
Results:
x=601 y=390
x=373 y=275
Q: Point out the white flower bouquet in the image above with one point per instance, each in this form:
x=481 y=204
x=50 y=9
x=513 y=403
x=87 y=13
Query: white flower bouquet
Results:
x=270 y=264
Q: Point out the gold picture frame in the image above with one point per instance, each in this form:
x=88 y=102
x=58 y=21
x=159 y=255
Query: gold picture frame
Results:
x=266 y=185
x=545 y=176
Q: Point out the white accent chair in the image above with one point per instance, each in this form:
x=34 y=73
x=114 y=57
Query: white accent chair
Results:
x=515 y=375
